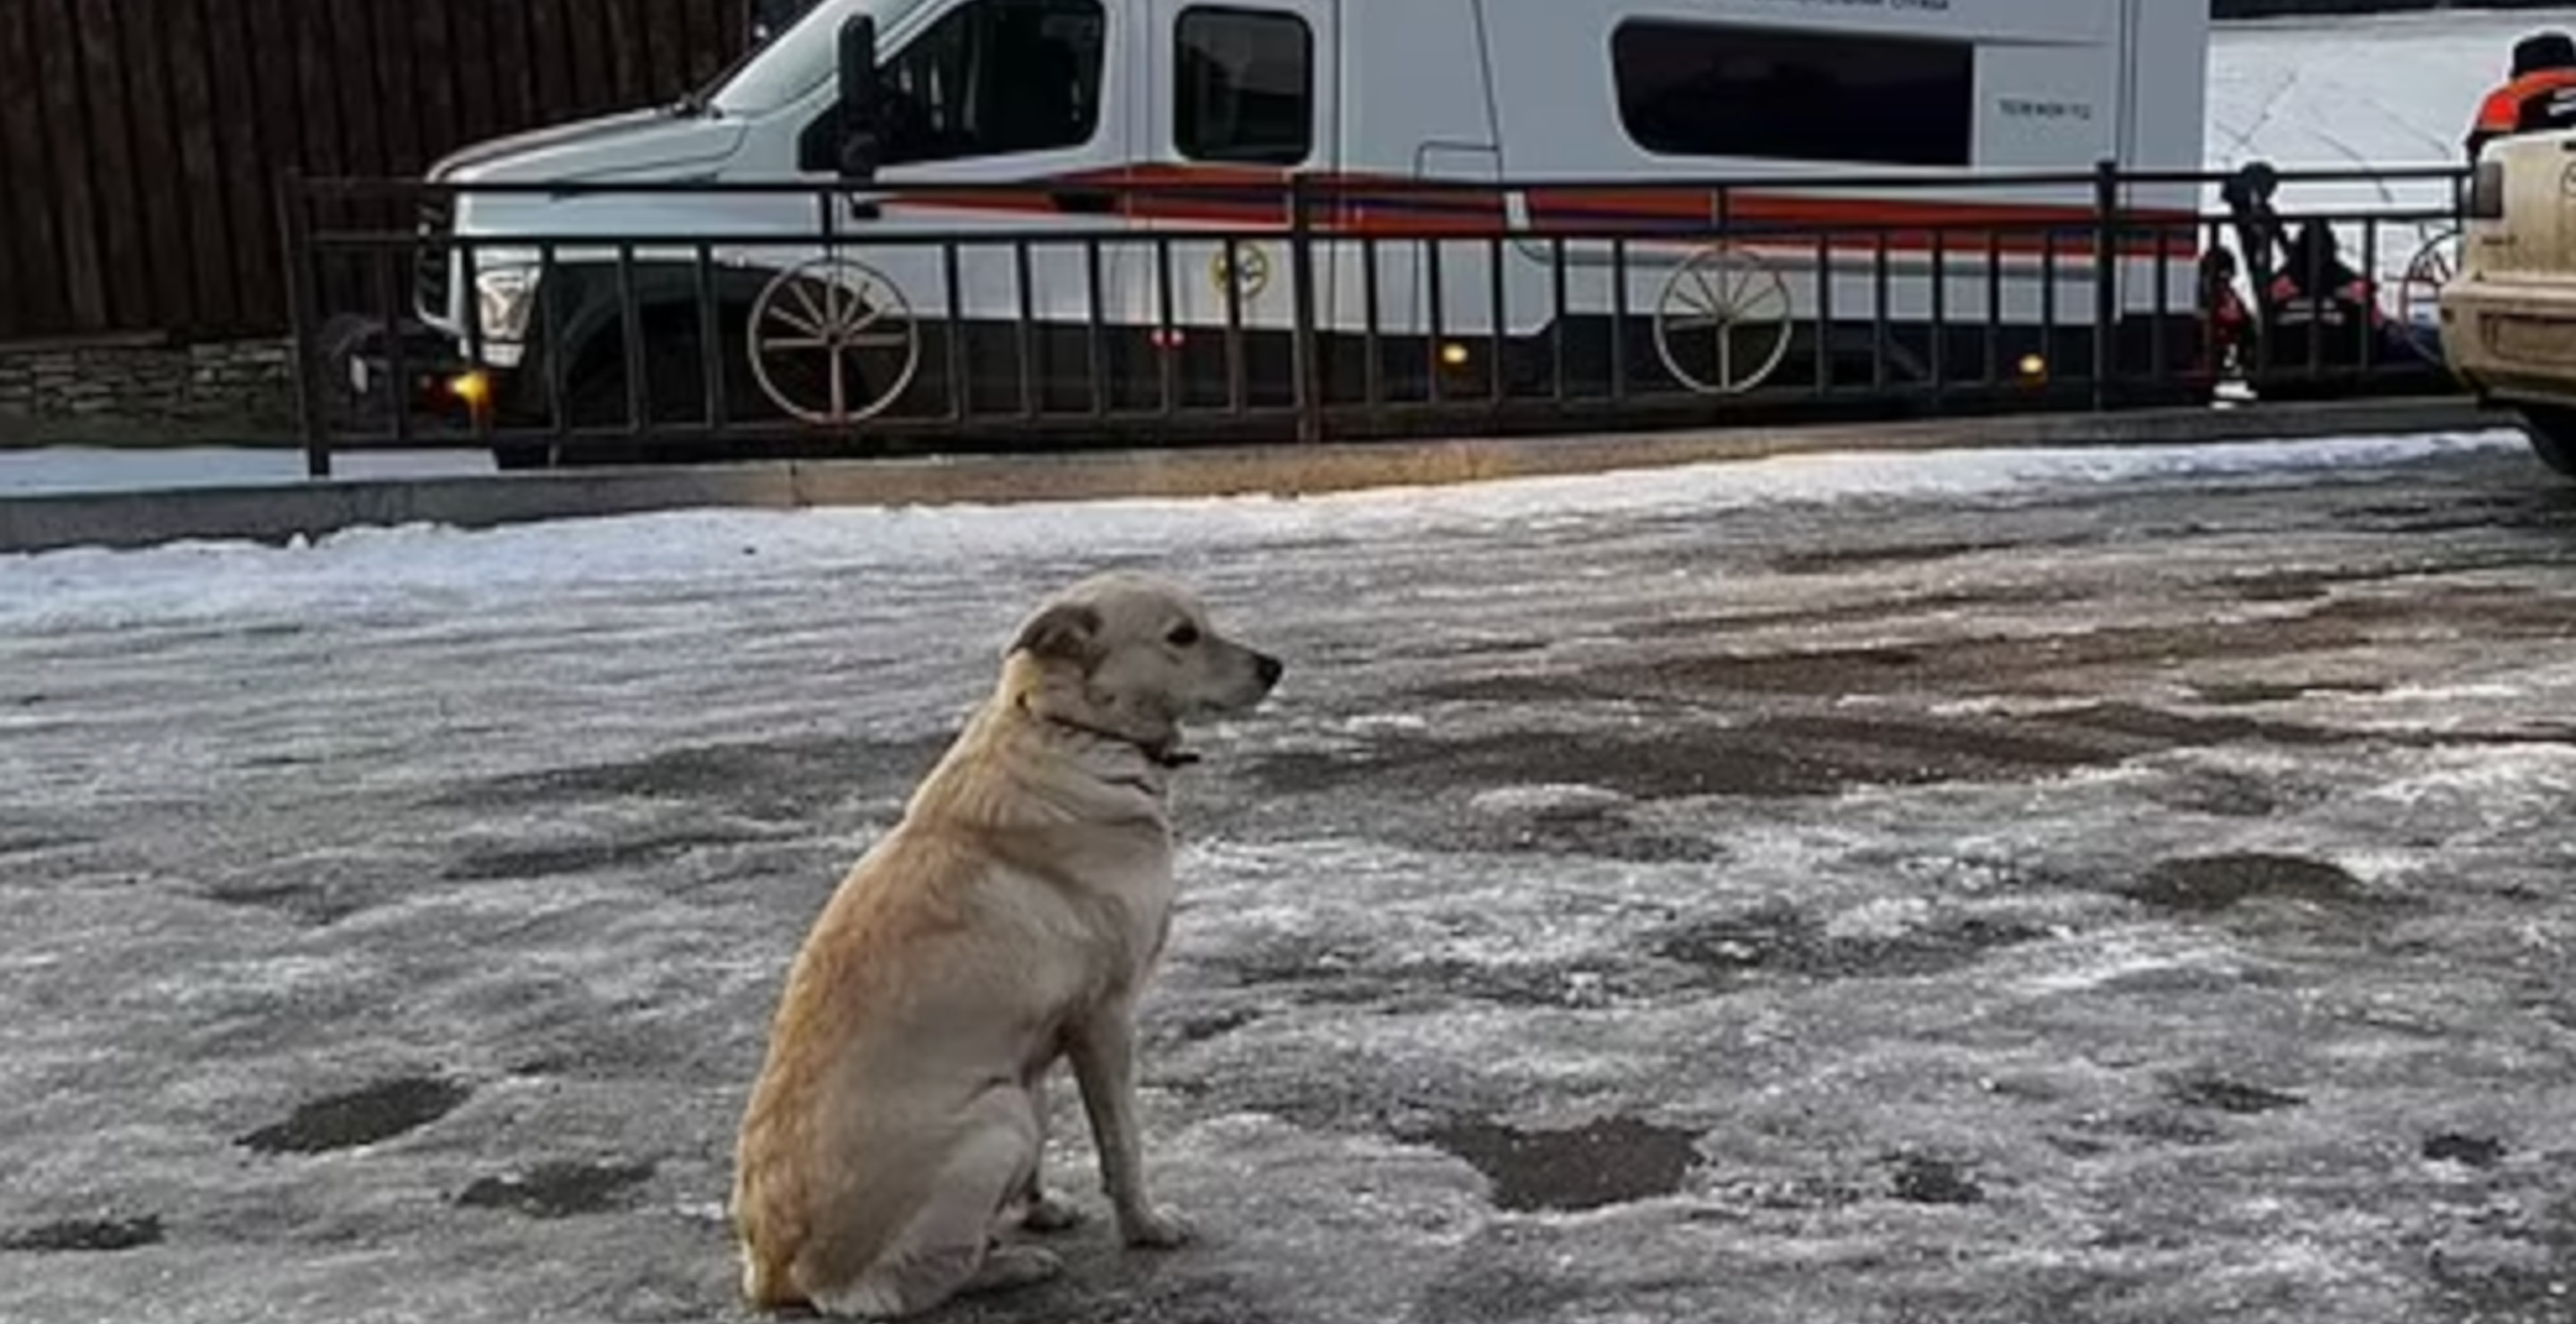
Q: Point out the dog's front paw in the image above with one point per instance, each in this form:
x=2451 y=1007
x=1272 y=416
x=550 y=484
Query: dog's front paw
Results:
x=1049 y=1214
x=1154 y=1228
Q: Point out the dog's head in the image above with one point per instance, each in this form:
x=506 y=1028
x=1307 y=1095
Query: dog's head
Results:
x=1135 y=657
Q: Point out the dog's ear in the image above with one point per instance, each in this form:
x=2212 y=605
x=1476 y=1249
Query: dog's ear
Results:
x=1067 y=631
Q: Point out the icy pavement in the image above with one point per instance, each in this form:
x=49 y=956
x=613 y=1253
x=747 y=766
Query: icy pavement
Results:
x=2100 y=886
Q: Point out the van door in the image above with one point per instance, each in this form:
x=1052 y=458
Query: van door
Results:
x=1244 y=91
x=989 y=92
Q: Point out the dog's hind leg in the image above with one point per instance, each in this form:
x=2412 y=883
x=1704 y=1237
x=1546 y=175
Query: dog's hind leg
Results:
x=947 y=1249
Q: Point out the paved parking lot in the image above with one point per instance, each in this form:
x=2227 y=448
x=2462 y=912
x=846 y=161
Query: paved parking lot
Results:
x=2119 y=886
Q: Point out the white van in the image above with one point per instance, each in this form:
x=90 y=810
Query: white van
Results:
x=1163 y=123
x=2509 y=314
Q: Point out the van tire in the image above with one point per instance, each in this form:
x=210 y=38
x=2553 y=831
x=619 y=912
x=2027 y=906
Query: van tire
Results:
x=2552 y=432
x=674 y=381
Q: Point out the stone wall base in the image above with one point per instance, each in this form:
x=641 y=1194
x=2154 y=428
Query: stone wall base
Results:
x=243 y=385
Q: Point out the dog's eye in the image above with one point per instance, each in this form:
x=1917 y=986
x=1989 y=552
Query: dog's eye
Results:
x=1183 y=636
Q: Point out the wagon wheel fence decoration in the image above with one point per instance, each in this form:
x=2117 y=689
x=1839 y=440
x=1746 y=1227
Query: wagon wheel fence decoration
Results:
x=1722 y=321
x=2419 y=287
x=833 y=341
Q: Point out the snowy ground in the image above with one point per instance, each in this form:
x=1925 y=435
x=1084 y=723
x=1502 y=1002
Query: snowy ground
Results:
x=2122 y=885
x=50 y=469
x=2345 y=92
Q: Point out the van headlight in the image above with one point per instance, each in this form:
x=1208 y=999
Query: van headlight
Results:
x=504 y=298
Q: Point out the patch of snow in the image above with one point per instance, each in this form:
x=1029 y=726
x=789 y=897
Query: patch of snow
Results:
x=2109 y=956
x=1886 y=917
x=2525 y=783
x=450 y=573
x=66 y=469
x=1547 y=800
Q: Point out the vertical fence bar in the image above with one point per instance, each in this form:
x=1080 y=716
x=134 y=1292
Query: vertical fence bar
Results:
x=1823 y=349
x=558 y=366
x=2319 y=298
x=1372 y=336
x=2159 y=360
x=1559 y=322
x=478 y=410
x=1940 y=349
x=380 y=261
x=1170 y=344
x=1303 y=356
x=2269 y=318
x=304 y=321
x=1879 y=339
x=2049 y=273
x=1095 y=350
x=1024 y=327
x=1237 y=392
x=1993 y=377
x=2211 y=301
x=2366 y=359
x=630 y=317
x=1436 y=278
x=961 y=382
x=1096 y=369
x=2106 y=275
x=711 y=337
x=1498 y=303
x=1619 y=319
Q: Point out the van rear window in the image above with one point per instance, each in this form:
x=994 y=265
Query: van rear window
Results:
x=1703 y=89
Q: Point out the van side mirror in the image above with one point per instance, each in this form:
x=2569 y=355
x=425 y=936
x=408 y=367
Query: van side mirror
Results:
x=861 y=149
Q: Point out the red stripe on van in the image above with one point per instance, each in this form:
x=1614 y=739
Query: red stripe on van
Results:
x=1395 y=206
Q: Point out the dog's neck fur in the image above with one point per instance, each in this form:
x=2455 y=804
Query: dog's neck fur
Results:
x=1059 y=693
x=1164 y=754
x=1118 y=776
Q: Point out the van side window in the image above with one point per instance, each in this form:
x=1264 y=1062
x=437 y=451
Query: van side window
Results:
x=1243 y=86
x=991 y=78
x=1700 y=89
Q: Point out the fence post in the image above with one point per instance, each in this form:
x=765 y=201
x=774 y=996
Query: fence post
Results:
x=295 y=234
x=1301 y=267
x=2106 y=276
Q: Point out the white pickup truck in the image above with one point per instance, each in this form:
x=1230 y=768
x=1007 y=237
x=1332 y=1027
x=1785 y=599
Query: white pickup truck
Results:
x=2509 y=315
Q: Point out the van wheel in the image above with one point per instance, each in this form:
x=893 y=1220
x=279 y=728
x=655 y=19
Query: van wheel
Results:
x=675 y=396
x=2552 y=431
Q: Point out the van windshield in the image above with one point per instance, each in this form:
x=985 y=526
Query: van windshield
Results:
x=796 y=59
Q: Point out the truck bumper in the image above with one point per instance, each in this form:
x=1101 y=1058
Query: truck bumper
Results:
x=429 y=379
x=2514 y=343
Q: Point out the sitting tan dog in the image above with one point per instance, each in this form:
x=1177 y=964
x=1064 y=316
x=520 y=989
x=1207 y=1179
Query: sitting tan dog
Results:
x=1012 y=917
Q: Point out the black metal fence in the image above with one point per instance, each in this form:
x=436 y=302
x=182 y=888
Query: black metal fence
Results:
x=641 y=322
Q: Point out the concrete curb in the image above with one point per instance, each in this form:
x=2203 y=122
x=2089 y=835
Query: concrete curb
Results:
x=276 y=513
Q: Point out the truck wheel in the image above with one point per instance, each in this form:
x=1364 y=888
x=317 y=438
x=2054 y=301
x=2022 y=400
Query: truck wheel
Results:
x=674 y=388
x=2552 y=431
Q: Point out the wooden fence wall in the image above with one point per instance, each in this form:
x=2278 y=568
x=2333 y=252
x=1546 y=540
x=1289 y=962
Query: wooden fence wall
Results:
x=141 y=140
